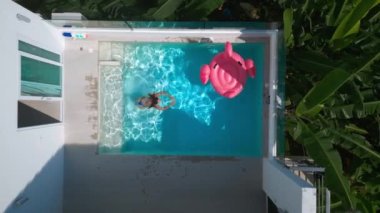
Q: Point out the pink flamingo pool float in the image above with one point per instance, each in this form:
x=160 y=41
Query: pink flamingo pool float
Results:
x=228 y=72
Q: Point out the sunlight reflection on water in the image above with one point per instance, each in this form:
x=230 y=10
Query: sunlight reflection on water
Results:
x=150 y=68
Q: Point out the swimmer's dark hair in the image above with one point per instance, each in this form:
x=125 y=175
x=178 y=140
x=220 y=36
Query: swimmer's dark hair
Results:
x=154 y=99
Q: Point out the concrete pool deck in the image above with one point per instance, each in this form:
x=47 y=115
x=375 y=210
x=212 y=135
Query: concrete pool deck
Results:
x=126 y=183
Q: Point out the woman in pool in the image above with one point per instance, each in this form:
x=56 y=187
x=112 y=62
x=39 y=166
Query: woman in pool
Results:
x=153 y=100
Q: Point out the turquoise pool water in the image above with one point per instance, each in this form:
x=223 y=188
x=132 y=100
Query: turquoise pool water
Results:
x=201 y=122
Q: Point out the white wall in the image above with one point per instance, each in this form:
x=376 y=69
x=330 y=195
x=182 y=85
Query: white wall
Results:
x=31 y=161
x=288 y=191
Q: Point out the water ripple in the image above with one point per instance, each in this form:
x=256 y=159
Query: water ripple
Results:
x=150 y=68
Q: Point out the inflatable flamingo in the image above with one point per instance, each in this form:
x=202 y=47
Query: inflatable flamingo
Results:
x=228 y=72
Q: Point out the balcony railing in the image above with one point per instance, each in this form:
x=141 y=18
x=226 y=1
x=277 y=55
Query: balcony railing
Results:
x=306 y=169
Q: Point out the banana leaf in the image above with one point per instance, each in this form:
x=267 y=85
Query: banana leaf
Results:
x=358 y=142
x=321 y=150
x=167 y=9
x=311 y=61
x=322 y=90
x=355 y=129
x=199 y=9
x=348 y=111
x=338 y=10
x=250 y=10
x=333 y=81
x=288 y=22
x=350 y=25
x=365 y=205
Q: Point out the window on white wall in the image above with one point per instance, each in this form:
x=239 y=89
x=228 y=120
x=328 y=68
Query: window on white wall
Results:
x=40 y=100
x=39 y=78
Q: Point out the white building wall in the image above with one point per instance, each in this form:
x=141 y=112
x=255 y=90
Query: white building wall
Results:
x=31 y=160
x=288 y=191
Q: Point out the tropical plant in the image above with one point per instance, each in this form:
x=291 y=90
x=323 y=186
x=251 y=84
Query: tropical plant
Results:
x=333 y=93
x=158 y=10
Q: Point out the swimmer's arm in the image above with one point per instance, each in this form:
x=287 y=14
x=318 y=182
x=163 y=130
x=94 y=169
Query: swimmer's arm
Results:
x=161 y=108
x=165 y=93
x=162 y=93
x=173 y=101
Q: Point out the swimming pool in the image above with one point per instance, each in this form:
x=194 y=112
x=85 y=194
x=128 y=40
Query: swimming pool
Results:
x=201 y=123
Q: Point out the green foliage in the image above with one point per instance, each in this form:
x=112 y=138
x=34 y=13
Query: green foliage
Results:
x=338 y=9
x=354 y=141
x=288 y=22
x=350 y=24
x=313 y=62
x=199 y=9
x=349 y=111
x=167 y=9
x=159 y=10
x=322 y=90
x=321 y=149
x=250 y=10
x=330 y=84
x=366 y=181
x=333 y=87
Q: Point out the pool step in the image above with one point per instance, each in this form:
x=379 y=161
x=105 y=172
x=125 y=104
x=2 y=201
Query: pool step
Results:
x=110 y=96
x=117 y=51
x=109 y=63
x=104 y=51
x=111 y=51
